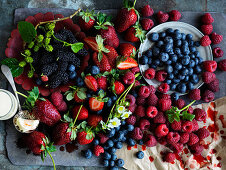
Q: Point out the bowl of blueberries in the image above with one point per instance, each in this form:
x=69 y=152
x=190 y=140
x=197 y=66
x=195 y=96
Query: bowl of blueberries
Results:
x=172 y=54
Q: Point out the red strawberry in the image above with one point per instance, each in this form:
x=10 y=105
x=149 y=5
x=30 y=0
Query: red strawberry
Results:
x=84 y=137
x=127 y=50
x=124 y=63
x=86 y=20
x=126 y=17
x=60 y=135
x=56 y=98
x=91 y=83
x=95 y=104
x=118 y=88
x=111 y=55
x=103 y=64
x=79 y=94
x=93 y=120
x=162 y=17
x=102 y=82
x=91 y=42
x=83 y=114
x=135 y=34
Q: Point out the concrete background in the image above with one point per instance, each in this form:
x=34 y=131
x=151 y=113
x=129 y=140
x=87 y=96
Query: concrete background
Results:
x=7 y=8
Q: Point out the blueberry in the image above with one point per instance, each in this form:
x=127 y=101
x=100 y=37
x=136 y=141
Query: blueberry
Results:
x=200 y=60
x=117 y=128
x=198 y=69
x=170 y=76
x=113 y=98
x=149 y=60
x=111 y=133
x=123 y=122
x=99 y=112
x=72 y=75
x=180 y=56
x=168 y=40
x=123 y=139
x=154 y=66
x=161 y=64
x=175 y=80
x=168 y=81
x=177 y=51
x=191 y=43
x=114 y=140
x=186 y=78
x=155 y=51
x=183 y=36
x=185 y=61
x=134 y=93
x=164 y=56
x=118 y=145
x=140 y=155
x=112 y=150
x=178 y=43
x=194 y=78
x=111 y=163
x=39 y=81
x=181 y=77
x=169 y=69
x=185 y=49
x=171 y=52
x=79 y=82
x=71 y=67
x=96 y=142
x=88 y=95
x=185 y=43
x=197 y=43
x=95 y=70
x=110 y=143
x=169 y=31
x=109 y=102
x=192 y=56
x=197 y=53
x=191 y=64
x=162 y=34
x=114 y=168
x=173 y=58
x=192 y=49
x=175 y=72
x=156 y=62
x=149 y=53
x=140 y=142
x=173 y=86
x=168 y=62
x=143 y=60
x=196 y=61
x=87 y=153
x=131 y=142
x=113 y=157
x=105 y=147
x=175 y=96
x=178 y=66
x=105 y=162
x=190 y=86
x=181 y=87
x=189 y=37
x=168 y=47
x=177 y=35
x=120 y=135
x=130 y=128
x=125 y=132
x=154 y=36
x=159 y=44
x=107 y=155
x=184 y=71
x=120 y=162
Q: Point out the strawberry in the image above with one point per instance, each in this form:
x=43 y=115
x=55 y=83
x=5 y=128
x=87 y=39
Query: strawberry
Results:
x=104 y=64
x=135 y=34
x=124 y=63
x=96 y=103
x=127 y=50
x=91 y=83
x=102 y=82
x=91 y=42
x=84 y=137
x=112 y=55
x=83 y=114
x=126 y=17
x=60 y=134
x=79 y=94
x=93 y=120
x=117 y=87
x=86 y=20
x=44 y=78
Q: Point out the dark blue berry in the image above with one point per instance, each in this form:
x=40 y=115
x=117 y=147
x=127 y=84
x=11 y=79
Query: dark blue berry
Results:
x=185 y=49
x=71 y=67
x=192 y=56
x=72 y=75
x=186 y=78
x=169 y=31
x=185 y=61
x=154 y=66
x=123 y=139
x=168 y=47
x=190 y=86
x=177 y=35
x=112 y=150
x=168 y=40
x=168 y=62
x=192 y=49
x=149 y=60
x=162 y=34
x=196 y=61
x=177 y=51
x=184 y=71
x=194 y=78
x=120 y=162
x=185 y=43
x=189 y=37
x=111 y=133
x=109 y=102
x=105 y=162
x=123 y=122
x=113 y=157
x=114 y=168
x=143 y=60
x=198 y=69
x=140 y=155
x=191 y=64
x=120 y=135
x=155 y=51
x=164 y=56
x=197 y=43
x=95 y=70
x=156 y=62
x=175 y=80
x=169 y=69
x=99 y=112
x=181 y=87
x=168 y=81
x=96 y=142
x=39 y=81
x=159 y=44
x=154 y=36
x=175 y=96
x=107 y=155
x=79 y=82
x=140 y=142
x=130 y=128
x=200 y=60
x=170 y=76
x=113 y=98
x=178 y=66
x=178 y=43
x=134 y=93
x=87 y=153
x=173 y=86
x=117 y=128
x=197 y=53
x=111 y=163
x=131 y=142
x=173 y=58
x=110 y=143
x=118 y=145
x=183 y=36
x=149 y=53
x=181 y=77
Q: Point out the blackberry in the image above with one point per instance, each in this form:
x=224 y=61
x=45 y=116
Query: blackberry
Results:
x=47 y=58
x=72 y=39
x=66 y=56
x=83 y=52
x=62 y=66
x=60 y=36
x=66 y=33
x=58 y=46
x=54 y=82
x=48 y=69
x=35 y=56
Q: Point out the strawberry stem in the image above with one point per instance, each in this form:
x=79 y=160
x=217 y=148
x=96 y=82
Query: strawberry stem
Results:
x=134 y=3
x=54 y=166
x=21 y=94
x=77 y=114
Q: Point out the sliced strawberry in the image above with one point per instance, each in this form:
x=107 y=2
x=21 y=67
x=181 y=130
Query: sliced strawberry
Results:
x=126 y=63
x=91 y=83
x=48 y=16
x=32 y=20
x=39 y=17
x=15 y=34
x=91 y=42
x=16 y=43
x=95 y=104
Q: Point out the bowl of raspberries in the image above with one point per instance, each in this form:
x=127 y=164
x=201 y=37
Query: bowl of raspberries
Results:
x=171 y=57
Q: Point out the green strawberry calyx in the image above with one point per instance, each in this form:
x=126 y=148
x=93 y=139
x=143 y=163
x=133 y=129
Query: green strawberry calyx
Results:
x=87 y=15
x=103 y=21
x=79 y=91
x=101 y=47
x=101 y=96
x=140 y=33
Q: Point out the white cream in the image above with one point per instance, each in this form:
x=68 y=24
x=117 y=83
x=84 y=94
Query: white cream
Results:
x=26 y=125
x=5 y=103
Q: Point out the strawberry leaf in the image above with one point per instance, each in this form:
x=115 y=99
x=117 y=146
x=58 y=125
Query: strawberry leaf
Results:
x=69 y=96
x=81 y=94
x=13 y=65
x=105 y=99
x=76 y=47
x=27 y=31
x=89 y=136
x=73 y=134
x=67 y=118
x=42 y=156
x=187 y=116
x=100 y=56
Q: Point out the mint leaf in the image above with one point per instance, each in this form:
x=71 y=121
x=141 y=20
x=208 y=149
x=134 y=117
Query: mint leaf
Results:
x=69 y=96
x=187 y=116
x=13 y=65
x=81 y=95
x=27 y=31
x=76 y=47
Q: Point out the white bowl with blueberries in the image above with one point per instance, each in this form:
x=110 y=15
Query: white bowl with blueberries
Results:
x=174 y=47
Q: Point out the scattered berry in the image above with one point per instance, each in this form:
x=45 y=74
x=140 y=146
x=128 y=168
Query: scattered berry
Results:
x=200 y=114
x=184 y=137
x=193 y=139
x=147 y=24
x=56 y=98
x=144 y=124
x=207 y=18
x=140 y=111
x=162 y=17
x=177 y=147
x=216 y=38
x=218 y=52
x=174 y=15
x=208 y=77
x=195 y=125
x=141 y=101
x=151 y=111
x=147 y=11
x=194 y=94
x=62 y=107
x=150 y=140
x=202 y=133
x=152 y=100
x=164 y=104
x=161 y=130
x=197 y=149
x=144 y=91
x=176 y=125
x=128 y=78
x=140 y=155
x=137 y=133
x=164 y=88
x=103 y=138
x=97 y=150
x=149 y=73
x=169 y=157
x=205 y=40
x=131 y=99
x=214 y=85
x=160 y=118
x=118 y=87
x=208 y=96
x=207 y=29
x=210 y=65
x=180 y=103
x=135 y=70
x=222 y=65
x=187 y=126
x=161 y=75
x=173 y=137
x=152 y=89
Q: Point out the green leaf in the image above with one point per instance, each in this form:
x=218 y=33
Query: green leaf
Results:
x=187 y=116
x=81 y=95
x=42 y=147
x=52 y=148
x=42 y=156
x=76 y=47
x=13 y=65
x=73 y=135
x=70 y=96
x=100 y=56
x=67 y=118
x=71 y=125
x=89 y=136
x=27 y=31
x=105 y=99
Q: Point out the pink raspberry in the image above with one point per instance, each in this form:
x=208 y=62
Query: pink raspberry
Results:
x=210 y=65
x=131 y=99
x=162 y=141
x=169 y=157
x=184 y=137
x=62 y=107
x=194 y=94
x=147 y=11
x=195 y=125
x=162 y=17
x=216 y=38
x=132 y=108
x=150 y=140
x=207 y=29
x=196 y=149
x=103 y=138
x=164 y=104
x=193 y=139
x=131 y=120
x=208 y=77
x=176 y=125
x=173 y=137
x=161 y=130
x=135 y=70
x=164 y=88
x=200 y=114
x=208 y=96
x=144 y=91
x=190 y=110
x=137 y=83
x=146 y=23
x=174 y=15
x=97 y=150
x=160 y=118
x=187 y=126
x=164 y=96
x=207 y=18
x=177 y=147
x=137 y=133
x=202 y=133
x=128 y=78
x=140 y=111
x=161 y=75
x=214 y=85
x=149 y=73
x=180 y=103
x=144 y=124
x=222 y=65
x=151 y=111
x=56 y=98
x=152 y=100
x=218 y=52
x=205 y=41
x=141 y=101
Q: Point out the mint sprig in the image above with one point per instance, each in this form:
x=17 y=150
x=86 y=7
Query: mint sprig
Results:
x=27 y=31
x=13 y=65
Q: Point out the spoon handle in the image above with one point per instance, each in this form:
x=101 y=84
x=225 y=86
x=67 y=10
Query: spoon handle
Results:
x=7 y=72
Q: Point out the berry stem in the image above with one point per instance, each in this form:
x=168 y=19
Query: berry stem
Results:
x=134 y=3
x=77 y=114
x=188 y=105
x=21 y=94
x=54 y=166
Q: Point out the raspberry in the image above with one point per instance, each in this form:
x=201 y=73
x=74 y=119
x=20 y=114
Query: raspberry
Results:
x=176 y=125
x=164 y=104
x=103 y=138
x=162 y=17
x=102 y=82
x=184 y=137
x=169 y=157
x=222 y=65
x=177 y=147
x=131 y=120
x=97 y=150
x=151 y=111
x=187 y=126
x=164 y=96
x=202 y=133
x=152 y=100
x=200 y=114
x=164 y=88
x=180 y=103
x=174 y=15
x=152 y=89
x=210 y=65
x=147 y=11
x=62 y=107
x=197 y=149
x=149 y=73
x=205 y=41
x=147 y=24
x=56 y=98
x=137 y=83
x=144 y=124
x=150 y=140
x=218 y=52
x=216 y=38
x=173 y=137
x=207 y=18
x=160 y=118
x=140 y=111
x=162 y=141
x=137 y=133
x=194 y=94
x=131 y=99
x=140 y=100
x=193 y=139
x=160 y=75
x=207 y=29
x=195 y=125
x=161 y=130
x=208 y=96
x=128 y=78
x=135 y=70
x=190 y=110
x=208 y=77
x=214 y=85
x=144 y=91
